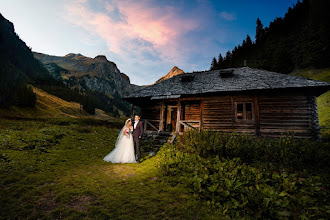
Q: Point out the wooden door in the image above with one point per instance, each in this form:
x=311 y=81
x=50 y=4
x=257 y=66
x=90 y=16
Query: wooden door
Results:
x=173 y=118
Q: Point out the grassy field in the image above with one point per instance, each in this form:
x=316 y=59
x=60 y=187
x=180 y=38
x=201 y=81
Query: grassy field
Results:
x=55 y=169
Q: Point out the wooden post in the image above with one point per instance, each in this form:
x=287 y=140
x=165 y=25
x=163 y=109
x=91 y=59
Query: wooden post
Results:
x=201 y=115
x=161 y=119
x=145 y=125
x=232 y=112
x=257 y=118
x=178 y=118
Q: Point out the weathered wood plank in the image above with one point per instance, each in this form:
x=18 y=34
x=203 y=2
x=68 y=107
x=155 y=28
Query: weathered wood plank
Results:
x=257 y=116
x=162 y=112
x=178 y=117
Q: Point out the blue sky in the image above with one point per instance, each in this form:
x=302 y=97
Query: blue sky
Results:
x=145 y=38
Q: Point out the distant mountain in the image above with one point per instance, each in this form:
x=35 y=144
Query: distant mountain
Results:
x=173 y=72
x=98 y=74
x=94 y=83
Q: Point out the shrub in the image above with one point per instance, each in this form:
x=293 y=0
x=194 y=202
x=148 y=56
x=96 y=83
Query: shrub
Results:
x=239 y=190
x=288 y=151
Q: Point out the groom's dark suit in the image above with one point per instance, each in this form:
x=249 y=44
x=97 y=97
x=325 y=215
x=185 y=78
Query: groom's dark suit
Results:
x=137 y=134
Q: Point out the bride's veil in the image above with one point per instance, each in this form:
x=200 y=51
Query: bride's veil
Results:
x=121 y=133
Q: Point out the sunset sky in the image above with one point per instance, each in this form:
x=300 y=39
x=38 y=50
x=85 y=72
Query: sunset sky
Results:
x=145 y=38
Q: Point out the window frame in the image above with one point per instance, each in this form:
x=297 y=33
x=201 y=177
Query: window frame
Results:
x=244 y=119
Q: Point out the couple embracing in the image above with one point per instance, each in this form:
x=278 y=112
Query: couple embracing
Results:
x=128 y=143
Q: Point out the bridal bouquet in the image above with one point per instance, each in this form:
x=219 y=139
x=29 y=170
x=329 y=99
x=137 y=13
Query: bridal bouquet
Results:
x=127 y=132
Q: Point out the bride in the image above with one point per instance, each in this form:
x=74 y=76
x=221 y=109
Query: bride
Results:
x=124 y=148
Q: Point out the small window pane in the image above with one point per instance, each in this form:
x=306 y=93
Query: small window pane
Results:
x=248 y=107
x=239 y=107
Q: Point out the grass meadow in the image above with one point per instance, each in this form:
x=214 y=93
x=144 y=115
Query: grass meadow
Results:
x=54 y=169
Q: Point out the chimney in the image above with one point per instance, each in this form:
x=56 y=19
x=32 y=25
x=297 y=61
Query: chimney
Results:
x=226 y=73
x=187 y=77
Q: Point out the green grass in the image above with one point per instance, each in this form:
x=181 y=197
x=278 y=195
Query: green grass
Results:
x=323 y=101
x=55 y=169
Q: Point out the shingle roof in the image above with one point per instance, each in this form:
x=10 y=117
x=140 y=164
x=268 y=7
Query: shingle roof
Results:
x=243 y=79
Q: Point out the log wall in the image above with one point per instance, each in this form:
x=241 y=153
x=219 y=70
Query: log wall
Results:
x=273 y=115
x=219 y=115
x=281 y=114
x=192 y=111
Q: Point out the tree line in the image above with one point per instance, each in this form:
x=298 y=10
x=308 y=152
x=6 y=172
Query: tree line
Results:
x=298 y=40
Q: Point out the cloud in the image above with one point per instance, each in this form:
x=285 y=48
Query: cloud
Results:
x=228 y=16
x=138 y=29
x=146 y=38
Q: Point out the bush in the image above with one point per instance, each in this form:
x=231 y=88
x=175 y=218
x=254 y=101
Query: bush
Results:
x=240 y=190
x=287 y=151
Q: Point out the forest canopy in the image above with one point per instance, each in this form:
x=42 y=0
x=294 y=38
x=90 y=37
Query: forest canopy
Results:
x=298 y=40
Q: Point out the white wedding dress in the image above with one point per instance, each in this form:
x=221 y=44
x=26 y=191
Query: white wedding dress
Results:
x=124 y=149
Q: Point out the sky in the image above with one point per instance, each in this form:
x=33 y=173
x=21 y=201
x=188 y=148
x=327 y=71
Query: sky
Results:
x=145 y=38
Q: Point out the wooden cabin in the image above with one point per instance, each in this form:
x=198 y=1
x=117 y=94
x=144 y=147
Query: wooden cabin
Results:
x=253 y=101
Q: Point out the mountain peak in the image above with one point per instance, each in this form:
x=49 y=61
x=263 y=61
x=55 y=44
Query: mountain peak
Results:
x=173 y=72
x=75 y=56
x=101 y=58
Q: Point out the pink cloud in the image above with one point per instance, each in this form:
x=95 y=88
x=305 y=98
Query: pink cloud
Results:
x=228 y=16
x=159 y=30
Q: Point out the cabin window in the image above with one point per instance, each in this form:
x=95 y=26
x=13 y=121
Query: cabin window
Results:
x=244 y=111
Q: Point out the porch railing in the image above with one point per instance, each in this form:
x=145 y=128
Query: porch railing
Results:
x=189 y=124
x=149 y=123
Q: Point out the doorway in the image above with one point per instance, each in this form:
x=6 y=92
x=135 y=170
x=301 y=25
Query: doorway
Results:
x=171 y=118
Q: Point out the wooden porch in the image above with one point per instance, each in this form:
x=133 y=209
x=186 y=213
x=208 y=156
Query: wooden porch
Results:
x=175 y=117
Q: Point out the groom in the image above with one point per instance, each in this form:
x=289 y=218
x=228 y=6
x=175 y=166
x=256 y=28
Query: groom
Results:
x=137 y=134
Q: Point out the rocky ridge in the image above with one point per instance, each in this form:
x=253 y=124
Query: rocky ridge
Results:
x=97 y=74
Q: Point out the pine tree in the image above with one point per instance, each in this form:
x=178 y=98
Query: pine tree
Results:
x=220 y=62
x=214 y=64
x=248 y=40
x=259 y=31
x=228 y=60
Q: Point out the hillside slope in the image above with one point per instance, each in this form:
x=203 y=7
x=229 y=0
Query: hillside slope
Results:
x=17 y=68
x=50 y=106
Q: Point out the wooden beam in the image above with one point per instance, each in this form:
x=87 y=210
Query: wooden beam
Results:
x=145 y=125
x=161 y=119
x=201 y=115
x=256 y=115
x=232 y=111
x=178 y=118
